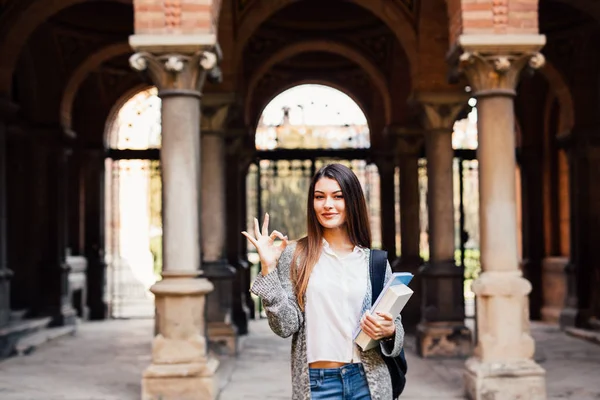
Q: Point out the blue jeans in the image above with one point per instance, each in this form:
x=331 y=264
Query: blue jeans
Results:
x=345 y=383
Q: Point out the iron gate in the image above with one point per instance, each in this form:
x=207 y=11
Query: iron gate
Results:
x=133 y=236
x=279 y=186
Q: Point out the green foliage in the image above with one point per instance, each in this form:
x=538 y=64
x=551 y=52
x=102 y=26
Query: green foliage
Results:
x=156 y=250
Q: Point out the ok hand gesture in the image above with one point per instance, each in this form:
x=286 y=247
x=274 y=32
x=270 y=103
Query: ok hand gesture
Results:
x=265 y=244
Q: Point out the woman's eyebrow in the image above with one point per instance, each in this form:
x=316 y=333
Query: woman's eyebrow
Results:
x=320 y=191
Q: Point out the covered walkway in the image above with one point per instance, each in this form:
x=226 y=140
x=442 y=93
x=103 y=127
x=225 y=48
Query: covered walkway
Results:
x=104 y=361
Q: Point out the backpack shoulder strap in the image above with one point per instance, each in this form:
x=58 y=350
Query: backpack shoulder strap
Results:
x=377 y=266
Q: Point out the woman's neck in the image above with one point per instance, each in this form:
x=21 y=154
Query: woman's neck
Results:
x=338 y=239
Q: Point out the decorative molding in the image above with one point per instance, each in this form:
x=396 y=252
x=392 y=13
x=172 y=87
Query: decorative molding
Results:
x=500 y=15
x=172 y=9
x=180 y=43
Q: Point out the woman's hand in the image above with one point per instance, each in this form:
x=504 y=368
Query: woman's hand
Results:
x=379 y=326
x=265 y=244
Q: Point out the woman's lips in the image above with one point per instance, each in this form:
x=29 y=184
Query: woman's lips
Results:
x=328 y=215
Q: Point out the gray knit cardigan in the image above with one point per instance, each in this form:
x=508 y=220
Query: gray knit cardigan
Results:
x=286 y=319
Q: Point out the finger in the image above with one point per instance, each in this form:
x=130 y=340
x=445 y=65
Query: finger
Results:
x=371 y=325
x=284 y=243
x=370 y=332
x=250 y=238
x=277 y=234
x=374 y=320
x=386 y=316
x=256 y=229
x=265 y=228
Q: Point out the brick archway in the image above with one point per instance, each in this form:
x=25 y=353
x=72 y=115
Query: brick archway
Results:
x=328 y=46
x=392 y=15
x=79 y=76
x=20 y=24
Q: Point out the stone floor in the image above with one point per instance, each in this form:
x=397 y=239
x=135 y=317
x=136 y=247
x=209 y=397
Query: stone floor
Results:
x=103 y=361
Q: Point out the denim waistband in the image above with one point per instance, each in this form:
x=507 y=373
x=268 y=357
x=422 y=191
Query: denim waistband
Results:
x=346 y=370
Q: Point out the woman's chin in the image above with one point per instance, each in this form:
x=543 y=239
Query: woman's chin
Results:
x=331 y=224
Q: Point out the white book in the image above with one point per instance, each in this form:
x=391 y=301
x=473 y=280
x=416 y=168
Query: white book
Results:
x=392 y=299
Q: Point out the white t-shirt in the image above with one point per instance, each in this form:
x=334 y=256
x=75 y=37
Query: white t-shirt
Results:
x=334 y=298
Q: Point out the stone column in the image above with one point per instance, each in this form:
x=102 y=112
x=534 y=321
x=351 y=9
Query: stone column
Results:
x=387 y=200
x=181 y=367
x=236 y=218
x=409 y=144
x=243 y=244
x=54 y=271
x=576 y=311
x=7 y=110
x=442 y=331
x=214 y=220
x=533 y=224
x=94 y=233
x=502 y=366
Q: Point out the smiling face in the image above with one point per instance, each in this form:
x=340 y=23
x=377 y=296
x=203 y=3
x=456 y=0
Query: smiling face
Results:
x=329 y=204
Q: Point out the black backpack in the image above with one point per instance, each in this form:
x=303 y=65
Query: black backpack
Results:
x=396 y=365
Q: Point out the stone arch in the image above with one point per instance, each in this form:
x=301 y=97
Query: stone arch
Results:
x=385 y=10
x=330 y=47
x=561 y=91
x=253 y=119
x=22 y=24
x=79 y=76
x=112 y=113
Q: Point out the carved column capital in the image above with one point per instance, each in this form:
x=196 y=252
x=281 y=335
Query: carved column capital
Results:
x=214 y=119
x=493 y=64
x=410 y=144
x=176 y=73
x=408 y=141
x=440 y=109
x=497 y=74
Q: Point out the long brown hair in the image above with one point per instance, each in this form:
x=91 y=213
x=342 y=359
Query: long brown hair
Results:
x=357 y=224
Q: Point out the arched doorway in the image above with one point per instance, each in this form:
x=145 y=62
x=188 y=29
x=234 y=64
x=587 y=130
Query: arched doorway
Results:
x=133 y=205
x=299 y=131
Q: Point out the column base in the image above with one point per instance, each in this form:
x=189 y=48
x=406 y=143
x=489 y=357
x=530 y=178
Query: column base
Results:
x=240 y=314
x=570 y=317
x=193 y=381
x=509 y=380
x=5 y=275
x=65 y=316
x=444 y=339
x=224 y=333
x=219 y=304
x=180 y=368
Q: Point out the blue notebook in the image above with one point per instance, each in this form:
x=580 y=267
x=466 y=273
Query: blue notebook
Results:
x=398 y=278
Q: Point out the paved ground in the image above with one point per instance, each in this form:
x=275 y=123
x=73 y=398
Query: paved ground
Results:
x=104 y=362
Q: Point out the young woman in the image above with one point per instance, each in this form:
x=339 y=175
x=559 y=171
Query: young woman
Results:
x=319 y=290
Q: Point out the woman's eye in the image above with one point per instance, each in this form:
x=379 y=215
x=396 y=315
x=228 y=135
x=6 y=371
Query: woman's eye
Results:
x=339 y=197
x=318 y=197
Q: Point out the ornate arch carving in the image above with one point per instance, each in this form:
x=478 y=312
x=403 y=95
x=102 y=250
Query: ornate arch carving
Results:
x=328 y=46
x=18 y=24
x=390 y=13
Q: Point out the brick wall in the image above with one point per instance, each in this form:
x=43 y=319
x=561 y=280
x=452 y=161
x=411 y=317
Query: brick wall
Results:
x=473 y=17
x=176 y=16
